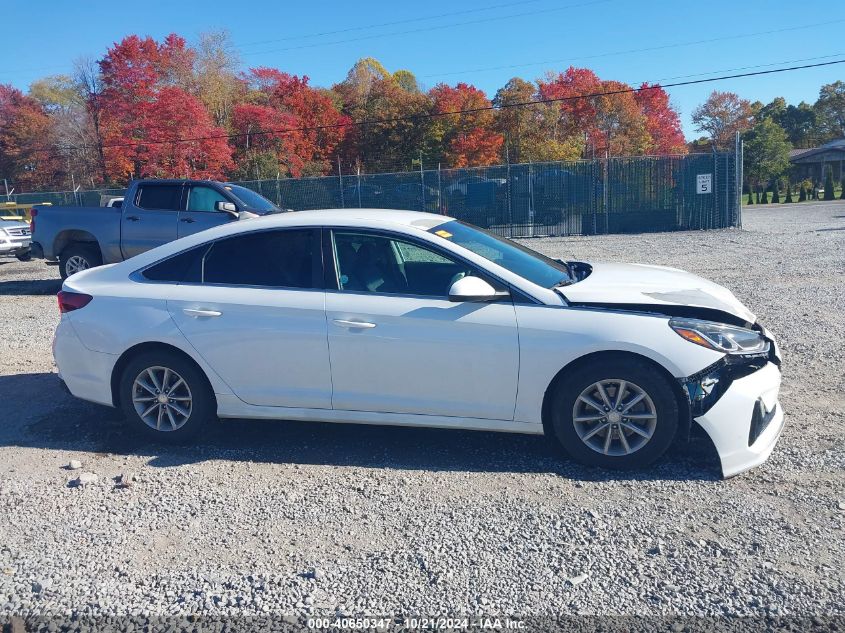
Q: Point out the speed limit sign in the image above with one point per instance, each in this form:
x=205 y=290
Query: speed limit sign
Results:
x=704 y=183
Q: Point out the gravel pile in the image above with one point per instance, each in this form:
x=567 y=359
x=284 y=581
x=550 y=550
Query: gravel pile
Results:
x=302 y=519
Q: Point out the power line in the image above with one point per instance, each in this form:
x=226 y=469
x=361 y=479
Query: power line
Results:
x=393 y=23
x=631 y=51
x=431 y=115
x=430 y=28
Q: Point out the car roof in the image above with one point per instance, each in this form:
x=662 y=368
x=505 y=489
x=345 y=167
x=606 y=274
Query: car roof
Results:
x=345 y=217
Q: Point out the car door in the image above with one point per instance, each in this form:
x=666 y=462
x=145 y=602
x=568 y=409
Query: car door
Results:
x=201 y=210
x=398 y=345
x=256 y=315
x=151 y=220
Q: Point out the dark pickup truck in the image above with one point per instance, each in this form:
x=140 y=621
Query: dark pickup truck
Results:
x=153 y=212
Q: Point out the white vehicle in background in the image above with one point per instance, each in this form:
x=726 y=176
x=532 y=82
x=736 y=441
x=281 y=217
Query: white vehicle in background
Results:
x=405 y=318
x=15 y=239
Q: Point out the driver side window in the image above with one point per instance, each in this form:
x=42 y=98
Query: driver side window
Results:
x=374 y=263
x=204 y=199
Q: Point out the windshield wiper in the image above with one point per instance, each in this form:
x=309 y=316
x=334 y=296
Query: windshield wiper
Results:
x=564 y=282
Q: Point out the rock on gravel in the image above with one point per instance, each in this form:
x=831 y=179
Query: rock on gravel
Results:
x=426 y=521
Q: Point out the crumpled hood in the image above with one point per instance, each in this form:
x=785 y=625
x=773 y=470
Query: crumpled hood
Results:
x=641 y=285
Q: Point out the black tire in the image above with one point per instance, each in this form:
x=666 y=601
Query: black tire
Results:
x=88 y=253
x=24 y=257
x=203 y=406
x=650 y=380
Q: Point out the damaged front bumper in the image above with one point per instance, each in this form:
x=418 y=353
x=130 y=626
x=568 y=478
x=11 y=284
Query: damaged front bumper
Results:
x=736 y=402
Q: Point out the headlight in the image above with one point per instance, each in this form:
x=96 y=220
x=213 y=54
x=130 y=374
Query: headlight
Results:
x=721 y=338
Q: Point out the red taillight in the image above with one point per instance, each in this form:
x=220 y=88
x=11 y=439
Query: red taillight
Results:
x=70 y=301
x=32 y=215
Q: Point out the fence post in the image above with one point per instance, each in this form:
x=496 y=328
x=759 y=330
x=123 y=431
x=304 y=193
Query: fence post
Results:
x=605 y=193
x=359 y=185
x=340 y=181
x=715 y=207
x=439 y=191
x=740 y=164
x=278 y=192
x=510 y=203
x=531 y=198
x=422 y=183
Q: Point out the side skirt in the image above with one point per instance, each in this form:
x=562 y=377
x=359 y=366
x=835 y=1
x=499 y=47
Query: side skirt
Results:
x=229 y=406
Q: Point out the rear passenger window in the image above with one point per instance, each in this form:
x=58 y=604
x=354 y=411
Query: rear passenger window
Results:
x=160 y=197
x=282 y=259
x=182 y=268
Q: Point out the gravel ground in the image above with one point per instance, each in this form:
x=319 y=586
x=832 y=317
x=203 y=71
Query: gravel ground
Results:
x=295 y=518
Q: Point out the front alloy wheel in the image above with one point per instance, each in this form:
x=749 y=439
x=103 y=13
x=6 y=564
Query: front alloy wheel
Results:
x=615 y=412
x=614 y=417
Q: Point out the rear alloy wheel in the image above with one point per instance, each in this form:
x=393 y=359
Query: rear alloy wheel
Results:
x=78 y=257
x=166 y=396
x=620 y=414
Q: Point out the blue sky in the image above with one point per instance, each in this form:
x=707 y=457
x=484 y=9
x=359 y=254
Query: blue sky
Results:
x=480 y=42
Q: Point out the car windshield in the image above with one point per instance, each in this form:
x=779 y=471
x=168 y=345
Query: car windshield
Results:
x=522 y=261
x=255 y=202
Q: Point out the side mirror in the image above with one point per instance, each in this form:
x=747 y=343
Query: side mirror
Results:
x=474 y=289
x=227 y=207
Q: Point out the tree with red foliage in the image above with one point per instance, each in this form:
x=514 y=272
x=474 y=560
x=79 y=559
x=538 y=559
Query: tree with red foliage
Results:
x=467 y=138
x=610 y=118
x=662 y=121
x=144 y=103
x=280 y=101
x=24 y=135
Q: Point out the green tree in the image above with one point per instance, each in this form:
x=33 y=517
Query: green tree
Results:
x=828 y=184
x=766 y=152
x=830 y=110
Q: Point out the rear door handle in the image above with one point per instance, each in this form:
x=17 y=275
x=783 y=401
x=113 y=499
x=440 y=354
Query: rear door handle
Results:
x=188 y=220
x=353 y=324
x=196 y=313
x=132 y=218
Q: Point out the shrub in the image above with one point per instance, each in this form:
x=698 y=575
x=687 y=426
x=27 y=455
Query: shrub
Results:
x=842 y=193
x=802 y=194
x=789 y=199
x=828 y=184
x=750 y=197
x=775 y=193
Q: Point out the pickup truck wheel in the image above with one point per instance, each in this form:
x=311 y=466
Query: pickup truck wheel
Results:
x=24 y=257
x=78 y=257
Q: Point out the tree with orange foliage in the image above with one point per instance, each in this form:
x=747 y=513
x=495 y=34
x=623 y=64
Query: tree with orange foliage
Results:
x=722 y=116
x=24 y=137
x=467 y=138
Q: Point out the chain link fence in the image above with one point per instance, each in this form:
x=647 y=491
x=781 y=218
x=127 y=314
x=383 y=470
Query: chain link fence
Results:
x=584 y=197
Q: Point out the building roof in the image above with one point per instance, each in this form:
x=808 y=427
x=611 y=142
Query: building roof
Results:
x=831 y=151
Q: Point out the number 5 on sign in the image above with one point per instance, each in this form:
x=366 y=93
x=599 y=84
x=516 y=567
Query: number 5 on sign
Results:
x=704 y=183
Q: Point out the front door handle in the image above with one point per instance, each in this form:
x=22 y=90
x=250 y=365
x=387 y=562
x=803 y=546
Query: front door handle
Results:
x=354 y=324
x=201 y=313
x=188 y=220
x=132 y=218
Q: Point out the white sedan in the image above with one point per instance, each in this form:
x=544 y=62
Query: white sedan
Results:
x=405 y=318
